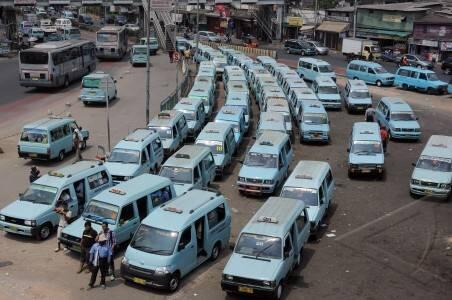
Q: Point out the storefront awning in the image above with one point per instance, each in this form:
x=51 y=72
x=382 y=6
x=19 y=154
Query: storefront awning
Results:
x=382 y=34
x=330 y=26
x=307 y=28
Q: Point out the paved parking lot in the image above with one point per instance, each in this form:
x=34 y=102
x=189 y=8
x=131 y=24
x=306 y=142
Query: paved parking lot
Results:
x=382 y=244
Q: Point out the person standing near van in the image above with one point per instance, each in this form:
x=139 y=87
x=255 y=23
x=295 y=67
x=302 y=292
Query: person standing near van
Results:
x=369 y=115
x=78 y=138
x=110 y=237
x=99 y=258
x=384 y=137
x=65 y=217
x=34 y=174
x=88 y=239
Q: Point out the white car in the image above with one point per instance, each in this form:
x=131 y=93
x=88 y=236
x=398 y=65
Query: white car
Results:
x=132 y=27
x=209 y=36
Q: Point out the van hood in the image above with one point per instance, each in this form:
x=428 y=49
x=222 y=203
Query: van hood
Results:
x=366 y=159
x=249 y=267
x=120 y=169
x=329 y=97
x=258 y=172
x=315 y=127
x=181 y=188
x=76 y=228
x=432 y=176
x=146 y=260
x=405 y=124
x=357 y=101
x=25 y=210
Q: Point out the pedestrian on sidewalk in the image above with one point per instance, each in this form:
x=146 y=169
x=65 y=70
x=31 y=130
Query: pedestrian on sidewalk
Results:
x=110 y=237
x=99 y=258
x=65 y=217
x=88 y=239
x=77 y=138
x=384 y=137
x=34 y=174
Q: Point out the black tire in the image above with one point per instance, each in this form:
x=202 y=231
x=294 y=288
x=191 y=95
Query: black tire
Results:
x=45 y=230
x=85 y=103
x=350 y=174
x=430 y=91
x=378 y=82
x=355 y=78
x=278 y=292
x=405 y=86
x=415 y=196
x=174 y=282
x=61 y=155
x=288 y=51
x=215 y=251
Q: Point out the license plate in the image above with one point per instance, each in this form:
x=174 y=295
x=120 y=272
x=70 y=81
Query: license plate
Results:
x=139 y=280
x=34 y=78
x=92 y=93
x=245 y=289
x=359 y=107
x=75 y=248
x=254 y=188
x=316 y=135
x=33 y=155
x=12 y=228
x=365 y=171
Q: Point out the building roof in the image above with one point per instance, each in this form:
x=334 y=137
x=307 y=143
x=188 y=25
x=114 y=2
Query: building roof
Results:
x=434 y=19
x=342 y=9
x=331 y=26
x=403 y=6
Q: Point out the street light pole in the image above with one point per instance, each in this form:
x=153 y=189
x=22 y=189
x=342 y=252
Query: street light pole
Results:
x=148 y=63
x=354 y=20
x=197 y=25
x=175 y=46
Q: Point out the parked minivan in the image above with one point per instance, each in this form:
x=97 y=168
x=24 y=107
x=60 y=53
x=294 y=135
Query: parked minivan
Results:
x=240 y=100
x=365 y=150
x=176 y=238
x=281 y=106
x=369 y=72
x=266 y=164
x=398 y=118
x=98 y=87
x=356 y=95
x=292 y=83
x=204 y=91
x=419 y=79
x=313 y=121
x=195 y=114
x=311 y=182
x=138 y=153
x=432 y=174
x=299 y=47
x=193 y=166
x=172 y=129
x=153 y=45
x=271 y=121
x=70 y=33
x=49 y=138
x=266 y=61
x=63 y=23
x=268 y=248
x=296 y=97
x=33 y=213
x=219 y=137
x=310 y=68
x=123 y=207
x=235 y=116
x=327 y=92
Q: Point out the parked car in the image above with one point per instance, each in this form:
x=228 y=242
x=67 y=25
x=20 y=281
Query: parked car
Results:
x=319 y=47
x=132 y=28
x=299 y=47
x=419 y=79
x=389 y=55
x=415 y=61
x=209 y=36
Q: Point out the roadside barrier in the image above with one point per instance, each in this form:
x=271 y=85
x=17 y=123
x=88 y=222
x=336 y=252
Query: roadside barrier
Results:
x=246 y=50
x=184 y=87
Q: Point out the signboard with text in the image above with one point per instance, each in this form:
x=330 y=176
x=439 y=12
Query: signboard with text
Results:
x=25 y=2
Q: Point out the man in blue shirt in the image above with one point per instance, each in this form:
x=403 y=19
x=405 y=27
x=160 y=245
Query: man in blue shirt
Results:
x=100 y=256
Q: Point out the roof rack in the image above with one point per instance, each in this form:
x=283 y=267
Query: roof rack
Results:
x=440 y=145
x=182 y=155
x=366 y=132
x=117 y=191
x=98 y=161
x=173 y=209
x=164 y=115
x=56 y=174
x=212 y=131
x=129 y=139
x=303 y=176
x=266 y=143
x=264 y=219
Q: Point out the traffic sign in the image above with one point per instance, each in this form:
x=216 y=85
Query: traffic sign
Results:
x=176 y=56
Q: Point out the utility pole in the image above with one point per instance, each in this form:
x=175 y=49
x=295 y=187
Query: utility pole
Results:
x=107 y=108
x=175 y=46
x=316 y=12
x=354 y=19
x=197 y=25
x=148 y=63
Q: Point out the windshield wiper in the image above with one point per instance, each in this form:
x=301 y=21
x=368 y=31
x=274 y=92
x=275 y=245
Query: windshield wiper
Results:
x=263 y=250
x=361 y=152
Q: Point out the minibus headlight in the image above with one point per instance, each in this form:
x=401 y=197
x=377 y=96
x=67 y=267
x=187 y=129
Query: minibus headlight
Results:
x=241 y=178
x=2 y=218
x=269 y=181
x=268 y=283
x=414 y=181
x=30 y=222
x=125 y=261
x=163 y=270
x=228 y=277
x=127 y=178
x=444 y=186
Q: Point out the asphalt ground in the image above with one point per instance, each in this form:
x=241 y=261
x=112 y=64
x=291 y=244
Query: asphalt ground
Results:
x=383 y=244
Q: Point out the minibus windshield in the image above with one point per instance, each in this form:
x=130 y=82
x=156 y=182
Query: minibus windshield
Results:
x=38 y=193
x=91 y=83
x=177 y=175
x=107 y=37
x=125 y=156
x=101 y=212
x=315 y=119
x=434 y=164
x=154 y=240
x=259 y=246
x=403 y=116
x=164 y=132
x=360 y=94
x=327 y=90
x=264 y=160
x=309 y=196
x=366 y=147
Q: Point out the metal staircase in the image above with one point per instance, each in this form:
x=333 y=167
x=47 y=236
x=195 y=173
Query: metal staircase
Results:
x=264 y=22
x=155 y=21
x=165 y=17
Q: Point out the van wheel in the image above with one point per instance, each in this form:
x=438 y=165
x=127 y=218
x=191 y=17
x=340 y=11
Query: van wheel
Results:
x=378 y=83
x=215 y=251
x=174 y=281
x=66 y=82
x=355 y=78
x=405 y=86
x=389 y=135
x=85 y=103
x=429 y=91
x=278 y=292
x=61 y=155
x=44 y=231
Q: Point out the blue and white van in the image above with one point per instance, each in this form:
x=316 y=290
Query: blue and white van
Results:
x=33 y=213
x=266 y=164
x=195 y=114
x=98 y=87
x=219 y=137
x=297 y=96
x=281 y=106
x=240 y=100
x=71 y=33
x=204 y=91
x=432 y=174
x=310 y=68
x=398 y=118
x=268 y=248
x=153 y=45
x=327 y=91
x=292 y=83
x=236 y=117
x=49 y=138
x=122 y=207
x=266 y=61
x=285 y=74
x=138 y=153
x=311 y=182
x=172 y=128
x=193 y=166
x=370 y=72
x=270 y=92
x=356 y=95
x=365 y=150
x=237 y=87
x=419 y=79
x=313 y=122
x=229 y=71
x=176 y=238
x=271 y=121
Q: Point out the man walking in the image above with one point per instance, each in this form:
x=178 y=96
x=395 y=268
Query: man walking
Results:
x=110 y=237
x=65 y=217
x=99 y=258
x=384 y=137
x=78 y=138
x=88 y=239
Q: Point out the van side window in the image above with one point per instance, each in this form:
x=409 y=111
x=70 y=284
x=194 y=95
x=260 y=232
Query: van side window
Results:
x=144 y=157
x=127 y=213
x=161 y=196
x=287 y=244
x=97 y=180
x=67 y=130
x=353 y=67
x=156 y=144
x=414 y=74
x=216 y=216
x=185 y=238
x=208 y=161
x=363 y=69
x=142 y=205
x=315 y=69
x=301 y=222
x=280 y=161
x=321 y=193
x=422 y=76
x=329 y=178
x=403 y=72
x=174 y=131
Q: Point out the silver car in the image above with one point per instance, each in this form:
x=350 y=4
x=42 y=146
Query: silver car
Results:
x=321 y=50
x=209 y=36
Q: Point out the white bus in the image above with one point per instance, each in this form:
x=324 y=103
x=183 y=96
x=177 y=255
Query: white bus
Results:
x=111 y=42
x=55 y=64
